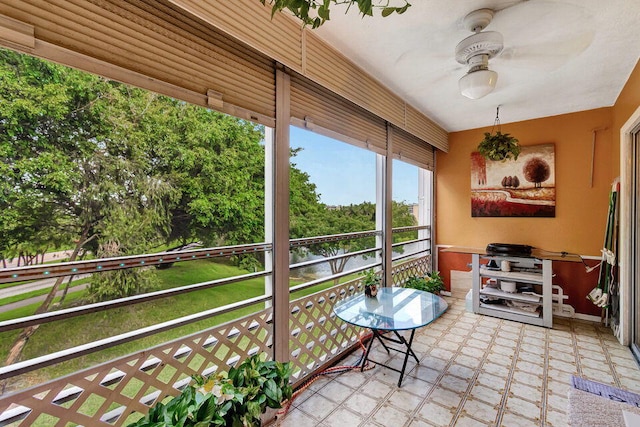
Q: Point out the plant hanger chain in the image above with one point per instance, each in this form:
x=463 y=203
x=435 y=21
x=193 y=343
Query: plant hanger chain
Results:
x=496 y=122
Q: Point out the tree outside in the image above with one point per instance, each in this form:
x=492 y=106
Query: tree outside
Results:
x=104 y=169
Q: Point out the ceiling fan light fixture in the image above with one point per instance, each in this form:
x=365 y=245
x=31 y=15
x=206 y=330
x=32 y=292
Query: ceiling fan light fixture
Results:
x=475 y=52
x=476 y=84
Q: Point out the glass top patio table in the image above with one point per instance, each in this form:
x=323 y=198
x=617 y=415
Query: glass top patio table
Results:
x=393 y=309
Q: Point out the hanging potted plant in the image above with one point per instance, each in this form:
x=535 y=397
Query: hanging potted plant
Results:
x=497 y=145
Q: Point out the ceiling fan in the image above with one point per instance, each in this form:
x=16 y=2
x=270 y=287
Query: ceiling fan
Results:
x=475 y=52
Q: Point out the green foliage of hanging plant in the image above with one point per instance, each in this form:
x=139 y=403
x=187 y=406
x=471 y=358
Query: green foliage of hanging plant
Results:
x=317 y=12
x=499 y=146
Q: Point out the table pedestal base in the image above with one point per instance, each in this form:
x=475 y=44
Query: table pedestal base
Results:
x=399 y=340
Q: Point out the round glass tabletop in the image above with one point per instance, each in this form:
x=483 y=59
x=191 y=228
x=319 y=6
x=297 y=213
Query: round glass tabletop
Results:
x=392 y=309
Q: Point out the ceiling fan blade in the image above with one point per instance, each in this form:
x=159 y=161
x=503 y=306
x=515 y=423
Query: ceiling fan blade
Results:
x=538 y=34
x=547 y=56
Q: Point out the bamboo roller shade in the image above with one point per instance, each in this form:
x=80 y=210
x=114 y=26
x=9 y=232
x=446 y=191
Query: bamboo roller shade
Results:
x=411 y=149
x=192 y=45
x=319 y=106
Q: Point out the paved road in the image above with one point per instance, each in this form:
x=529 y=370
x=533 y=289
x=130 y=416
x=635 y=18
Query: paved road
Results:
x=36 y=285
x=33 y=300
x=32 y=286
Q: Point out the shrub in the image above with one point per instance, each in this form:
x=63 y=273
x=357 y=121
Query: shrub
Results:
x=431 y=283
x=235 y=400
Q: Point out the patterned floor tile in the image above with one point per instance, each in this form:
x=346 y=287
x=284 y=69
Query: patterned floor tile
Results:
x=491 y=381
x=515 y=420
x=486 y=394
x=568 y=357
x=452 y=383
x=630 y=373
x=452 y=346
x=561 y=365
x=461 y=371
x=533 y=394
x=631 y=384
x=377 y=389
x=469 y=361
x=389 y=415
x=528 y=379
x=537 y=358
x=584 y=345
x=436 y=414
x=404 y=400
x=342 y=417
x=442 y=353
x=626 y=362
x=533 y=346
x=418 y=422
x=523 y=407
x=353 y=379
x=416 y=386
x=588 y=339
x=497 y=370
x=559 y=388
x=447 y=398
x=556 y=418
x=479 y=340
x=318 y=407
x=361 y=404
x=501 y=355
x=296 y=418
x=426 y=373
x=506 y=342
x=598 y=372
x=474 y=371
x=530 y=368
x=336 y=391
x=480 y=410
x=557 y=402
x=466 y=421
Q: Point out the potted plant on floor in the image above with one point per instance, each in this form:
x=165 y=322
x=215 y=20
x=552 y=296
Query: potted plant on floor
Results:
x=430 y=283
x=236 y=399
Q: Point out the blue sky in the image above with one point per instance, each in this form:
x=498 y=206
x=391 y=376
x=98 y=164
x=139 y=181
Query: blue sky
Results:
x=345 y=174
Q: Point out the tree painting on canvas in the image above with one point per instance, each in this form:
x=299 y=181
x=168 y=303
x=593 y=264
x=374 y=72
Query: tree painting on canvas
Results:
x=522 y=188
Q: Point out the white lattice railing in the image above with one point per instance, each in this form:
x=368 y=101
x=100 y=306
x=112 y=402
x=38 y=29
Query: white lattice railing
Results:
x=120 y=391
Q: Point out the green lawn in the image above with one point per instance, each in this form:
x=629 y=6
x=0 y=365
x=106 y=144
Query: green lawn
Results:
x=75 y=331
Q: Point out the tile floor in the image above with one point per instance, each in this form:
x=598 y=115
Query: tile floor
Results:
x=474 y=371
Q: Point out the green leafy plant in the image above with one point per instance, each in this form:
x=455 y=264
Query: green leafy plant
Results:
x=499 y=146
x=431 y=283
x=317 y=12
x=371 y=282
x=371 y=278
x=263 y=384
x=236 y=400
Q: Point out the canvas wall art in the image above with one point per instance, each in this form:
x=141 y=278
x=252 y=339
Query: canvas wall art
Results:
x=522 y=188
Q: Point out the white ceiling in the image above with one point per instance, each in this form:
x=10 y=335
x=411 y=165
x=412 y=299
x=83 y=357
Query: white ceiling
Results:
x=559 y=56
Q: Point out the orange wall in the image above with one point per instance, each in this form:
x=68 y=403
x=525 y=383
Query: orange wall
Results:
x=581 y=210
x=626 y=104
